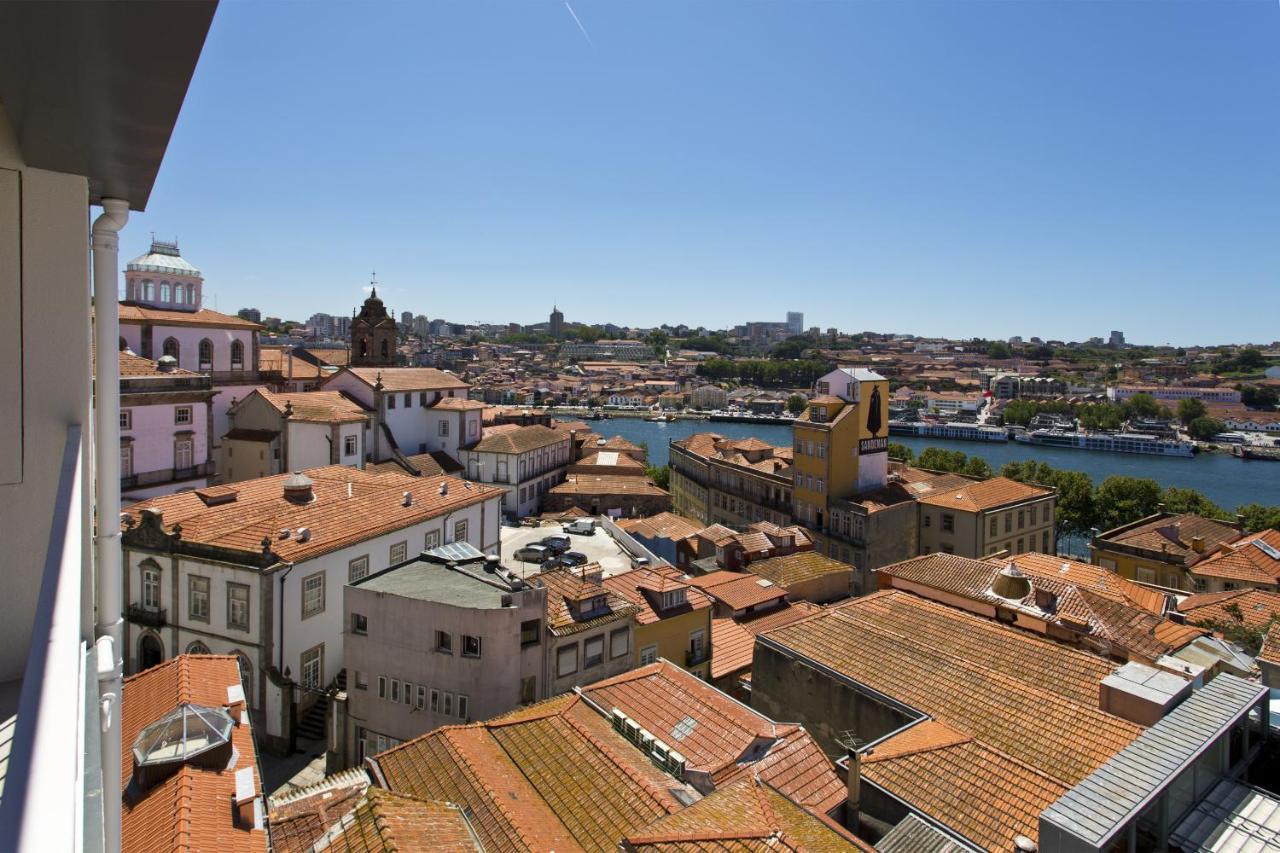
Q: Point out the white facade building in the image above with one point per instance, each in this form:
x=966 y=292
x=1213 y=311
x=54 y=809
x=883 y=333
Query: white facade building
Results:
x=272 y=433
x=524 y=461
x=166 y=428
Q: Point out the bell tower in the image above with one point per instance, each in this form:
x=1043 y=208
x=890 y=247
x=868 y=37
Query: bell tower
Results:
x=373 y=334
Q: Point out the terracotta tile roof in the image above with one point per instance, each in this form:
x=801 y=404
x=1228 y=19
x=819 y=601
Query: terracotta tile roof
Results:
x=984 y=495
x=262 y=436
x=977 y=791
x=719 y=736
x=432 y=464
x=1270 y=652
x=552 y=776
x=298 y=819
x=700 y=443
x=316 y=406
x=733 y=641
x=568 y=592
x=1171 y=537
x=406 y=378
x=375 y=507
x=718 y=534
x=606 y=484
x=276 y=361
x=1245 y=561
x=615 y=442
x=609 y=460
x=458 y=404
x=800 y=567
x=135 y=366
x=138 y=314
x=738 y=590
x=510 y=438
x=189 y=810
x=749 y=816
x=664 y=525
x=1004 y=687
x=644 y=587
x=1082 y=599
x=1257 y=607
x=746 y=445
x=386 y=821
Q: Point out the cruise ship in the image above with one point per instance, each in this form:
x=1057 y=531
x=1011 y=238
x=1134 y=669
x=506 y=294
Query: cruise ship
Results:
x=953 y=431
x=1108 y=442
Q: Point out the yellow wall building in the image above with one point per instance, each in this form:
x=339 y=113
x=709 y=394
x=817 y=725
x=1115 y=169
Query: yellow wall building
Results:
x=674 y=621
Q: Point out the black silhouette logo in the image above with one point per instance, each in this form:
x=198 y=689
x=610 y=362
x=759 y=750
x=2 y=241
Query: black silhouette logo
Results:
x=873 y=412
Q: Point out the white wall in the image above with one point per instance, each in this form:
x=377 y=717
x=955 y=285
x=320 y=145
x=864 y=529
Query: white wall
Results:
x=153 y=435
x=308 y=445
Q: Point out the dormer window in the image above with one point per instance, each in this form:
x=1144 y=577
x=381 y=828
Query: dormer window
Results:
x=818 y=414
x=673 y=598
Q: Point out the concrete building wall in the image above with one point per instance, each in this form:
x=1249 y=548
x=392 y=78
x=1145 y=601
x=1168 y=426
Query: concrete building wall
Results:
x=44 y=377
x=154 y=431
x=616 y=660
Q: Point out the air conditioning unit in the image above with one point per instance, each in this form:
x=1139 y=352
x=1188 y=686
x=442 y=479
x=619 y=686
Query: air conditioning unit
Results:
x=619 y=720
x=675 y=764
x=644 y=739
x=660 y=752
x=632 y=732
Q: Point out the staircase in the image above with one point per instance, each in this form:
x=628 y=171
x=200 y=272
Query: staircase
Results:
x=311 y=726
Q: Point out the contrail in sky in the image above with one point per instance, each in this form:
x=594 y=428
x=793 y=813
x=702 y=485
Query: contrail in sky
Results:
x=583 y=29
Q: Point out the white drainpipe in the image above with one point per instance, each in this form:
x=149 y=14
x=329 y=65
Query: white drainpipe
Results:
x=108 y=577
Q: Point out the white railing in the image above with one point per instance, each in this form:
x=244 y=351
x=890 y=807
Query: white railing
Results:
x=52 y=785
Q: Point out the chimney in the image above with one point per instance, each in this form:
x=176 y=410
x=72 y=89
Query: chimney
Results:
x=1197 y=544
x=235 y=702
x=1240 y=522
x=853 y=792
x=297 y=488
x=245 y=799
x=444 y=488
x=407 y=499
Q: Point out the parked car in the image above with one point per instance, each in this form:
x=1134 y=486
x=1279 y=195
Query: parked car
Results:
x=533 y=554
x=573 y=558
x=557 y=543
x=583 y=526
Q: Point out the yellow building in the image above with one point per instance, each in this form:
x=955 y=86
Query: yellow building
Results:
x=674 y=620
x=1163 y=549
x=841 y=444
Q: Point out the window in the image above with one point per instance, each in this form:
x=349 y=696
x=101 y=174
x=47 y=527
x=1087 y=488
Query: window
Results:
x=126 y=419
x=357 y=568
x=359 y=623
x=420 y=701
x=312 y=595
x=362 y=680
x=183 y=455
x=464 y=707
x=408 y=693
x=399 y=551
x=1020 y=548
x=126 y=460
x=182 y=415
x=435 y=700
x=1008 y=522
x=179 y=294
x=198 y=598
x=349 y=446
x=446 y=704
x=197 y=648
x=382 y=687
x=530 y=633
x=422 y=399
x=1044 y=542
x=648 y=655
x=947 y=548
x=408 y=400
x=313 y=666
x=821 y=485
x=697 y=644
x=567 y=660
x=993 y=525
x=619 y=643
x=928 y=520
x=460 y=531
x=444 y=428
x=593 y=652
x=1022 y=519
x=391 y=401
x=148 y=291
x=237 y=355
x=470 y=646
x=206 y=354
x=238 y=606
x=395 y=690
x=444 y=642
x=166 y=292
x=948 y=523
x=1045 y=516
x=151 y=587
x=432 y=540
x=529 y=690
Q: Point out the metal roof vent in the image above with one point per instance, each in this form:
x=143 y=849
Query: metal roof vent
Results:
x=304 y=534
x=166 y=364
x=444 y=488
x=407 y=499
x=297 y=488
x=1011 y=583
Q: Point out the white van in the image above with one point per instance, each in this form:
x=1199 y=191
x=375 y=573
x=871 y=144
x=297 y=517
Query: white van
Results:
x=583 y=526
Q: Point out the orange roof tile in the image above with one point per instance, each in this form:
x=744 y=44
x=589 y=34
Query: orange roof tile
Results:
x=738 y=590
x=405 y=378
x=1245 y=560
x=298 y=819
x=375 y=506
x=643 y=587
x=791 y=570
x=315 y=406
x=510 y=438
x=1170 y=537
x=569 y=591
x=386 y=821
x=189 y=810
x=734 y=640
x=984 y=495
x=1257 y=608
x=606 y=484
x=666 y=525
x=138 y=314
x=1270 y=652
x=135 y=366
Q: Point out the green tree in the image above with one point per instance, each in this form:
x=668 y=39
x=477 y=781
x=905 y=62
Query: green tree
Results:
x=1190 y=409
x=1141 y=406
x=999 y=350
x=1075 y=510
x=976 y=466
x=900 y=452
x=1101 y=416
x=1205 y=428
x=796 y=404
x=1120 y=500
x=660 y=475
x=1178 y=500
x=658 y=339
x=1258 y=517
x=1257 y=397
x=595 y=402
x=791 y=348
x=937 y=459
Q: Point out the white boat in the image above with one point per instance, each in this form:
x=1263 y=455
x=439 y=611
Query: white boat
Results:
x=1108 y=442
x=952 y=431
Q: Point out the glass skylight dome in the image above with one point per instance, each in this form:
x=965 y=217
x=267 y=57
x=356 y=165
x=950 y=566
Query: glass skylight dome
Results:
x=182 y=734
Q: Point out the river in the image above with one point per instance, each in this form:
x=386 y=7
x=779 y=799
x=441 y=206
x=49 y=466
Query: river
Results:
x=1222 y=478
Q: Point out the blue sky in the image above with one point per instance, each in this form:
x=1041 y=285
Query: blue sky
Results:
x=960 y=168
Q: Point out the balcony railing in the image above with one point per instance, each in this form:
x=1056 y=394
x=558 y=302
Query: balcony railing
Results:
x=694 y=657
x=152 y=617
x=52 y=784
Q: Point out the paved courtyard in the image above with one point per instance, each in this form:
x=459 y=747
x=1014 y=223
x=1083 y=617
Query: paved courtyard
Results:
x=598 y=548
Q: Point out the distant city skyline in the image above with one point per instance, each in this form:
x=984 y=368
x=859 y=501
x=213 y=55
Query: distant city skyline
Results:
x=976 y=169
